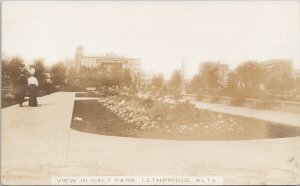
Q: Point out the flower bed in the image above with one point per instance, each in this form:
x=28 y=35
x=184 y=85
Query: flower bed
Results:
x=129 y=116
x=180 y=118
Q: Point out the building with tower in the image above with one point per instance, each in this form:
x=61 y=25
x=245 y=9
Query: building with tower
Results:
x=104 y=62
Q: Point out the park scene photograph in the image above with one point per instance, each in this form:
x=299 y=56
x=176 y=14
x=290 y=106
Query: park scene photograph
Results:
x=150 y=92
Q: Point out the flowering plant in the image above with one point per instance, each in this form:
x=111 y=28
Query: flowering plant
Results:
x=178 y=117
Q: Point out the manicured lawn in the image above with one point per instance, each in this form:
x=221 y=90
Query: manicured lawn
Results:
x=92 y=117
x=86 y=94
x=97 y=119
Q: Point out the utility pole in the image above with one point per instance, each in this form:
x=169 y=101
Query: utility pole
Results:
x=183 y=91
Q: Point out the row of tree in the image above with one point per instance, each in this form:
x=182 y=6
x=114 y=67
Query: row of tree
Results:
x=250 y=77
x=97 y=77
x=173 y=87
x=14 y=66
x=59 y=75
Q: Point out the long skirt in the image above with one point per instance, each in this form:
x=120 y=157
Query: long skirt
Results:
x=33 y=96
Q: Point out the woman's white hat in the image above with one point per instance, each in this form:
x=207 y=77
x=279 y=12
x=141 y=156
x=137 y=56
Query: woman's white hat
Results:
x=32 y=71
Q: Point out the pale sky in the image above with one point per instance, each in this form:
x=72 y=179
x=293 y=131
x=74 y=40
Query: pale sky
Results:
x=159 y=33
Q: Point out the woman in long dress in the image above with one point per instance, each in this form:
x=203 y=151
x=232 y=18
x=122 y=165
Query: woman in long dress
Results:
x=33 y=84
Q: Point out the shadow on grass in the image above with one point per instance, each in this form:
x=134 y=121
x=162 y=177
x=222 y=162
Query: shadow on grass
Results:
x=10 y=102
x=98 y=120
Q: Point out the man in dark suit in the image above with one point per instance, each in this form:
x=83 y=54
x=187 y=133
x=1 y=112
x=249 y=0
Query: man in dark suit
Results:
x=21 y=85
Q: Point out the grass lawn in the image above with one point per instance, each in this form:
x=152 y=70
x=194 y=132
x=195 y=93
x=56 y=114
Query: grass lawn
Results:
x=85 y=94
x=97 y=119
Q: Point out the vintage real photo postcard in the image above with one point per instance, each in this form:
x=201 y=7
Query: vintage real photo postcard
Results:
x=150 y=92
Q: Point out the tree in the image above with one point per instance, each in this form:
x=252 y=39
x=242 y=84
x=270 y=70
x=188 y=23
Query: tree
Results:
x=251 y=74
x=58 y=72
x=176 y=80
x=5 y=74
x=287 y=81
x=210 y=75
x=71 y=76
x=158 y=81
x=197 y=83
x=232 y=81
x=126 y=78
x=281 y=83
x=14 y=68
x=39 y=67
x=213 y=78
x=175 y=83
x=115 y=76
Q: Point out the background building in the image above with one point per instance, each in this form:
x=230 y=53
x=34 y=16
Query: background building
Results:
x=109 y=66
x=146 y=78
x=296 y=74
x=276 y=69
x=106 y=62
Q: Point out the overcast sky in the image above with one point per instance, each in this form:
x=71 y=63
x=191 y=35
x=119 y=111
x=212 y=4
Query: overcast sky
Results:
x=159 y=33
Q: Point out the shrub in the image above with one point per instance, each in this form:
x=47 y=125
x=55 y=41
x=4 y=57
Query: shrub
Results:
x=237 y=101
x=264 y=105
x=147 y=103
x=199 y=98
x=156 y=112
x=215 y=99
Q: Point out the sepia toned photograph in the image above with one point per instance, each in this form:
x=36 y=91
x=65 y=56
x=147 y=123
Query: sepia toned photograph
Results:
x=150 y=92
